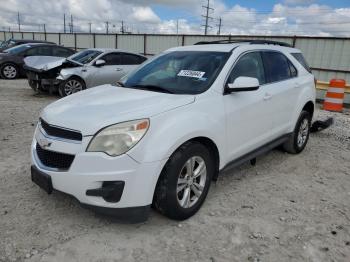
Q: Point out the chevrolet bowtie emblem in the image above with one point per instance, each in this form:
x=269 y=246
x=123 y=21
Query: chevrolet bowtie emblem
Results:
x=44 y=143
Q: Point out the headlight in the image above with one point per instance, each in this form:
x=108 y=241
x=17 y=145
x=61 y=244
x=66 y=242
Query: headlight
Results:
x=117 y=139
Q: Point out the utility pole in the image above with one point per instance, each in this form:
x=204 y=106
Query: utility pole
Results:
x=71 y=24
x=220 y=25
x=64 y=23
x=44 y=25
x=122 y=29
x=90 y=27
x=19 y=22
x=207 y=17
x=107 y=25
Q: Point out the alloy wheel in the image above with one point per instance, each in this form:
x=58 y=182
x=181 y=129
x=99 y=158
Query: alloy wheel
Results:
x=191 y=182
x=72 y=86
x=303 y=133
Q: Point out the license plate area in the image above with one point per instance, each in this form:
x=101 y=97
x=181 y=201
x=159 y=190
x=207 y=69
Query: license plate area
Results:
x=41 y=179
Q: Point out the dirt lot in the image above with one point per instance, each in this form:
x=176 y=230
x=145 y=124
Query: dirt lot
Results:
x=286 y=208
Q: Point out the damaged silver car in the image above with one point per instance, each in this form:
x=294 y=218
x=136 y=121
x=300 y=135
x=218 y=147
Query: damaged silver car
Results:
x=85 y=69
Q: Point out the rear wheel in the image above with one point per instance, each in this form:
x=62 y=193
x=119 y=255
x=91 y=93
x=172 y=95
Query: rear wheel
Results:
x=184 y=182
x=300 y=136
x=71 y=86
x=9 y=71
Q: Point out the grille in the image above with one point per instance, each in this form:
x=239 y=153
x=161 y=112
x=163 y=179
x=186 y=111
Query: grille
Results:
x=60 y=132
x=54 y=159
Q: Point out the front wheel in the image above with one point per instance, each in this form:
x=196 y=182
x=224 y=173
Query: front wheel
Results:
x=71 y=86
x=300 y=136
x=184 y=182
x=9 y=71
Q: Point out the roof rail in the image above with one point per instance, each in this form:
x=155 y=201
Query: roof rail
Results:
x=250 y=41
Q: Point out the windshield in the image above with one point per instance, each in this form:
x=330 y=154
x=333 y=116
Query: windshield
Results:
x=17 y=49
x=180 y=72
x=86 y=56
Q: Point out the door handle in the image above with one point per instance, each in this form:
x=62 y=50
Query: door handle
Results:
x=119 y=69
x=267 y=96
x=296 y=85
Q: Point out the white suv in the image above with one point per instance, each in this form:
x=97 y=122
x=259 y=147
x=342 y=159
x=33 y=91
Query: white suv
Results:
x=162 y=134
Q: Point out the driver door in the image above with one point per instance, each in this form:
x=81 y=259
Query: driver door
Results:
x=249 y=114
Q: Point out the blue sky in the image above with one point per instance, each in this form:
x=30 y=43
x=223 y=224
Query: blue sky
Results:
x=253 y=17
x=171 y=12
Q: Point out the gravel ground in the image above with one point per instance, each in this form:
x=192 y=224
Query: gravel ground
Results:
x=286 y=208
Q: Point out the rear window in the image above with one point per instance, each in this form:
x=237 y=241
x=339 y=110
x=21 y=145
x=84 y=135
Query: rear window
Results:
x=302 y=61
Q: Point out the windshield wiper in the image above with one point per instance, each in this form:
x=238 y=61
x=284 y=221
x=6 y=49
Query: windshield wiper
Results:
x=153 y=88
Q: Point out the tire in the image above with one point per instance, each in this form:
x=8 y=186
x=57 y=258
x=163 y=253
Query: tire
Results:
x=175 y=182
x=71 y=86
x=9 y=71
x=298 y=140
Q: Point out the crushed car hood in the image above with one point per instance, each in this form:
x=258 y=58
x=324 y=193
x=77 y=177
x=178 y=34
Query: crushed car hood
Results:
x=90 y=110
x=43 y=63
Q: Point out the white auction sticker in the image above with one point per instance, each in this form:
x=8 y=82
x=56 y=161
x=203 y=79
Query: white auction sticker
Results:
x=190 y=73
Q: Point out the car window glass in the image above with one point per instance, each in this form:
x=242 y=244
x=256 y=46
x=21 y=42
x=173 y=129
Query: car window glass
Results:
x=129 y=59
x=276 y=66
x=249 y=65
x=302 y=61
x=85 y=56
x=293 y=70
x=61 y=52
x=39 y=51
x=112 y=59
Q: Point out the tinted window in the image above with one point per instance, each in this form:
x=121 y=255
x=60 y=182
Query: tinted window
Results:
x=129 y=59
x=277 y=66
x=40 y=51
x=293 y=70
x=302 y=61
x=86 y=56
x=249 y=65
x=17 y=49
x=112 y=59
x=180 y=72
x=61 y=52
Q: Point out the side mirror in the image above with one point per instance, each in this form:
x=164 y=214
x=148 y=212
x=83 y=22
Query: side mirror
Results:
x=100 y=63
x=242 y=84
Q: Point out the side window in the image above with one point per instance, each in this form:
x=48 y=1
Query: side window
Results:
x=129 y=59
x=293 y=70
x=249 y=65
x=277 y=66
x=39 y=51
x=61 y=52
x=112 y=59
x=302 y=61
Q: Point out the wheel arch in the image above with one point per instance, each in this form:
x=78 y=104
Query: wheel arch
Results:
x=77 y=77
x=310 y=108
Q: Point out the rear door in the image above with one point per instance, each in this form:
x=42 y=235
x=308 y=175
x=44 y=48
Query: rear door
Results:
x=282 y=80
x=248 y=114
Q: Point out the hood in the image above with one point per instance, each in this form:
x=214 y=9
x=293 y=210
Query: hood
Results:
x=90 y=110
x=44 y=63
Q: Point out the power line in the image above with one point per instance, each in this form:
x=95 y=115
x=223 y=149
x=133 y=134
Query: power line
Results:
x=207 y=17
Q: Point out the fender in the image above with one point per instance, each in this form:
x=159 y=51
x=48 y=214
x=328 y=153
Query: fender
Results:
x=306 y=95
x=173 y=128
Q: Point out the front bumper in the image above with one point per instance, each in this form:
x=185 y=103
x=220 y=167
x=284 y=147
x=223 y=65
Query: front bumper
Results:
x=89 y=171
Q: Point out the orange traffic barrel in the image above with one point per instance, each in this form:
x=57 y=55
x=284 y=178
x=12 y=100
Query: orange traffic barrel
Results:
x=335 y=96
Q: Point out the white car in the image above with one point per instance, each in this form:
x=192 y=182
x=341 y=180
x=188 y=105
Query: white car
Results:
x=172 y=126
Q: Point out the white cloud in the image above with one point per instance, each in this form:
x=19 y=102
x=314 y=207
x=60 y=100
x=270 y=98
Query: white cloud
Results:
x=287 y=17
